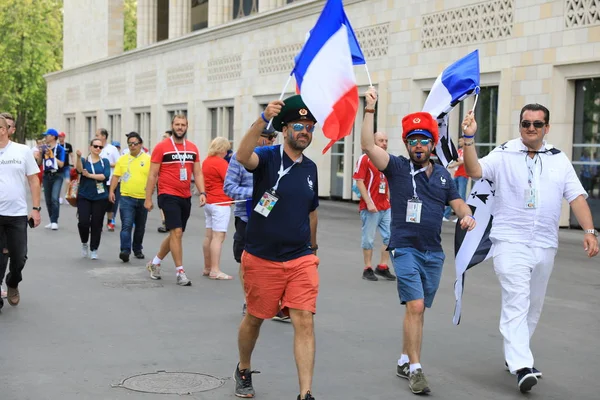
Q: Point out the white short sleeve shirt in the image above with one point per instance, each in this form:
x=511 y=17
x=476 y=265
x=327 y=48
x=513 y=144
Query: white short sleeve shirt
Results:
x=112 y=154
x=554 y=179
x=16 y=164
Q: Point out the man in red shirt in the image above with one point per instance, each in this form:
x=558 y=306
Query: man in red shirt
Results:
x=374 y=208
x=176 y=159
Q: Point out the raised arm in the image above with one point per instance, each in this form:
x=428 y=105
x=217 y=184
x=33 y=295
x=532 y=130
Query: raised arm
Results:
x=472 y=166
x=379 y=157
x=245 y=154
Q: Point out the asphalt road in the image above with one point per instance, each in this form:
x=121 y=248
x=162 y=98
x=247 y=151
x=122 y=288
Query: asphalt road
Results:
x=85 y=326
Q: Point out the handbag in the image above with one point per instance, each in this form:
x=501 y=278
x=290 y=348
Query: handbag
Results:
x=71 y=196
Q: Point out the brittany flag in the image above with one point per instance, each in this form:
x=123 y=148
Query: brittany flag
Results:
x=324 y=72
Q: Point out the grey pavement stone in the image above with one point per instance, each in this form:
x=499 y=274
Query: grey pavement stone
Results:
x=85 y=325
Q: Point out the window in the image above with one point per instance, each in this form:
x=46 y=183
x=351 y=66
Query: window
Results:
x=221 y=122
x=199 y=14
x=90 y=124
x=70 y=126
x=586 y=138
x=243 y=8
x=142 y=125
x=172 y=113
x=486 y=115
x=114 y=126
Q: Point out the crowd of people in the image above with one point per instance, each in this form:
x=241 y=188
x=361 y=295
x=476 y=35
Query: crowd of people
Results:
x=274 y=190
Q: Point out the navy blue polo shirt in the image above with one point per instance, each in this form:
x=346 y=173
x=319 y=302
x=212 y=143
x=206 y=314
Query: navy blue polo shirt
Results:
x=285 y=234
x=87 y=186
x=436 y=192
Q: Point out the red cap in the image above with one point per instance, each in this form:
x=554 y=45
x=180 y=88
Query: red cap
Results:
x=420 y=123
x=62 y=134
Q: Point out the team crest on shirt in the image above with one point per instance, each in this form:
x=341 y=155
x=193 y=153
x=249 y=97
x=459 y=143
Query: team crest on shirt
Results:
x=142 y=163
x=310 y=183
x=443 y=180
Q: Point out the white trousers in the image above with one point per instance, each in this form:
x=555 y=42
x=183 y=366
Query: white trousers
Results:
x=523 y=272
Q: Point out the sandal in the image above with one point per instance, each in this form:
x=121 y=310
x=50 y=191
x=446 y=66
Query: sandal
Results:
x=206 y=272
x=221 y=276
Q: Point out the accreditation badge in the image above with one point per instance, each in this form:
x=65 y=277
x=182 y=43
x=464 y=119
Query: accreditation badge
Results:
x=266 y=203
x=413 y=210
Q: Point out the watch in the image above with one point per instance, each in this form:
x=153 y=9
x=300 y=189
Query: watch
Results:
x=592 y=231
x=37 y=208
x=202 y=193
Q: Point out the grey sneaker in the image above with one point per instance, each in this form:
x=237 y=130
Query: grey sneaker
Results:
x=94 y=254
x=84 y=250
x=182 y=279
x=154 y=270
x=243 y=382
x=403 y=370
x=418 y=383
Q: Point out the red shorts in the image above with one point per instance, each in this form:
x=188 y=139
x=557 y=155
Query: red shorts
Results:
x=273 y=285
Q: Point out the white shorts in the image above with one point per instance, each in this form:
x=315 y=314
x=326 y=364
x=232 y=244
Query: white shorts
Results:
x=217 y=217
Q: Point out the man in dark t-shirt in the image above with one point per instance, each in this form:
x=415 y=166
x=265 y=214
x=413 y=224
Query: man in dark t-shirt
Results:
x=419 y=190
x=279 y=262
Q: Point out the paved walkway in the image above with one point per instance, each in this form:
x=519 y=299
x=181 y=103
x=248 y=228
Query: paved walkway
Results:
x=85 y=325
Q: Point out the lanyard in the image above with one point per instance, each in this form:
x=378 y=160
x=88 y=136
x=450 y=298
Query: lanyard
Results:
x=131 y=159
x=532 y=169
x=92 y=164
x=412 y=175
x=181 y=159
x=281 y=171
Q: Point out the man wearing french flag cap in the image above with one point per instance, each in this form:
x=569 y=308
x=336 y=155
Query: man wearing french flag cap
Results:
x=419 y=192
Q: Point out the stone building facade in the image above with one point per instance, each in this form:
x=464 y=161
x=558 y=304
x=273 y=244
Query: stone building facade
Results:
x=221 y=61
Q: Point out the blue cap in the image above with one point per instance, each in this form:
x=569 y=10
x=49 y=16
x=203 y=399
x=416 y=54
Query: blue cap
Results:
x=116 y=144
x=420 y=132
x=51 y=132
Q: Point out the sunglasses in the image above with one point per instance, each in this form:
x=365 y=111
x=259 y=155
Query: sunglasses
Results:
x=413 y=142
x=131 y=144
x=536 y=124
x=97 y=146
x=269 y=137
x=298 y=127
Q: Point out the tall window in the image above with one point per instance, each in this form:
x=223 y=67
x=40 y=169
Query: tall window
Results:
x=114 y=126
x=90 y=125
x=141 y=124
x=243 y=8
x=199 y=14
x=221 y=122
x=486 y=115
x=70 y=126
x=172 y=113
x=586 y=137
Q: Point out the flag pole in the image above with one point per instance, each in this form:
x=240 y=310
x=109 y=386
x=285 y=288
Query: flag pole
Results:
x=281 y=97
x=368 y=75
x=474 y=104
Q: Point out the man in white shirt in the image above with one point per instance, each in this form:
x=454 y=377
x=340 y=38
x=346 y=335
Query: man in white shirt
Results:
x=112 y=154
x=531 y=178
x=17 y=169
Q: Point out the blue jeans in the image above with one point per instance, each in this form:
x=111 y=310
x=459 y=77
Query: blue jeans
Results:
x=461 y=187
x=117 y=200
x=418 y=272
x=52 y=187
x=370 y=223
x=132 y=212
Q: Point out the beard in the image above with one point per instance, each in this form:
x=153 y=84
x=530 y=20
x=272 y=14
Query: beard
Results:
x=423 y=159
x=293 y=141
x=179 y=136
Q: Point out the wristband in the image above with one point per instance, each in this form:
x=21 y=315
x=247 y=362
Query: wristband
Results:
x=471 y=217
x=262 y=115
x=202 y=193
x=370 y=110
x=471 y=143
x=468 y=137
x=314 y=248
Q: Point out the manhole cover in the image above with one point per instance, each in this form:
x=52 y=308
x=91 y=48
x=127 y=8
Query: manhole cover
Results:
x=172 y=382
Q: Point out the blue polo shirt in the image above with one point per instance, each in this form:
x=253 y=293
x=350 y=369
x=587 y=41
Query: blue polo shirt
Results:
x=435 y=192
x=87 y=186
x=285 y=234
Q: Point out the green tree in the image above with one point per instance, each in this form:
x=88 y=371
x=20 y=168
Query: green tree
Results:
x=31 y=46
x=130 y=23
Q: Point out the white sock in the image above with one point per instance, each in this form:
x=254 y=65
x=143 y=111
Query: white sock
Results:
x=179 y=269
x=414 y=367
x=403 y=359
x=156 y=260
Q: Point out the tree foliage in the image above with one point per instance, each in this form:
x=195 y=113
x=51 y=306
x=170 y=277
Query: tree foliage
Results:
x=130 y=35
x=31 y=46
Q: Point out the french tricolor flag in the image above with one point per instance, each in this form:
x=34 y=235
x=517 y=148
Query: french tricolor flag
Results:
x=324 y=72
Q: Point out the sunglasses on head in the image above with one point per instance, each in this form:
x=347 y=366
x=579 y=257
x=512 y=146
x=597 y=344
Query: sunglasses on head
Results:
x=97 y=146
x=413 y=142
x=131 y=144
x=298 y=127
x=536 y=124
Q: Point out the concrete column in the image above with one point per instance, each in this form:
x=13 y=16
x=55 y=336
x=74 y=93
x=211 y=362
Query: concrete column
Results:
x=115 y=27
x=146 y=22
x=212 y=13
x=266 y=5
x=180 y=18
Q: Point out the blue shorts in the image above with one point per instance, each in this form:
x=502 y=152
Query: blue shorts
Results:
x=67 y=172
x=418 y=273
x=370 y=223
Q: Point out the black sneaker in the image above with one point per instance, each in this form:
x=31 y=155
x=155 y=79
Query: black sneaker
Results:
x=526 y=379
x=243 y=382
x=537 y=372
x=124 y=256
x=139 y=255
x=307 y=396
x=385 y=273
x=369 y=275
x=403 y=371
x=162 y=228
